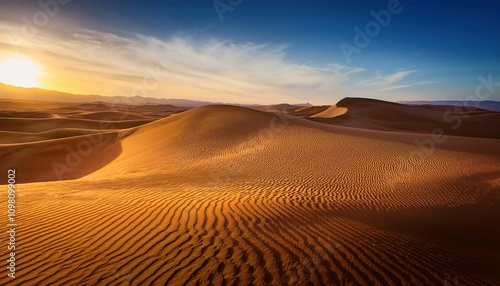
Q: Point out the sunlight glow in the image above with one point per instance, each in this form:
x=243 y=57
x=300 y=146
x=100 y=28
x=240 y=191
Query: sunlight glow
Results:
x=20 y=71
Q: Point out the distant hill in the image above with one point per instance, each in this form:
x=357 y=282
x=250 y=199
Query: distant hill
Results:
x=487 y=104
x=38 y=94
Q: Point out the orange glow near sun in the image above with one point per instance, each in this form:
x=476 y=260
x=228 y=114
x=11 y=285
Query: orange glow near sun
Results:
x=20 y=71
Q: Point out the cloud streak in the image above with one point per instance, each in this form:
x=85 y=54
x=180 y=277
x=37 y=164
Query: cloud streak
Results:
x=393 y=87
x=88 y=61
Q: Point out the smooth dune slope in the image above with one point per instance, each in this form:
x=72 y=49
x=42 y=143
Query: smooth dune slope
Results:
x=27 y=114
x=60 y=159
x=282 y=107
x=20 y=105
x=226 y=195
x=25 y=127
x=332 y=111
x=110 y=115
x=41 y=125
x=12 y=137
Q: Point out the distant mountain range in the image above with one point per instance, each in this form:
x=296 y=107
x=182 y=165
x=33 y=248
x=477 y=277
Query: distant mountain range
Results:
x=487 y=104
x=38 y=94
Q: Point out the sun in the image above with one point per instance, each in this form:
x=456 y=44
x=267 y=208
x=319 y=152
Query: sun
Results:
x=20 y=71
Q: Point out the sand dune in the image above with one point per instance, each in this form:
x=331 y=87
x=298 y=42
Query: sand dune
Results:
x=158 y=108
x=9 y=137
x=95 y=106
x=26 y=105
x=42 y=125
x=283 y=107
x=28 y=114
x=229 y=196
x=57 y=159
x=308 y=111
x=110 y=115
x=332 y=111
x=388 y=116
x=106 y=111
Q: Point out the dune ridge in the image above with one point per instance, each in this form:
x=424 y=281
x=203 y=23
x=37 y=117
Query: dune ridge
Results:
x=389 y=116
x=332 y=111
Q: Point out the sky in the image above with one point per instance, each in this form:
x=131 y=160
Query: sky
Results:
x=243 y=51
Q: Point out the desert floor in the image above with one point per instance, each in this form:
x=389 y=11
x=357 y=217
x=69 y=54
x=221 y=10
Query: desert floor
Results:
x=226 y=195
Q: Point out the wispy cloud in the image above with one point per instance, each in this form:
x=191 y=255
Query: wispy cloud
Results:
x=397 y=80
x=381 y=80
x=393 y=87
x=89 y=61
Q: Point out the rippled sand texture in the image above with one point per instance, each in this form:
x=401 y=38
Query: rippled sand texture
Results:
x=222 y=195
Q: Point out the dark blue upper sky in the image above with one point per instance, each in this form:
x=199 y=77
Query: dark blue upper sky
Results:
x=439 y=48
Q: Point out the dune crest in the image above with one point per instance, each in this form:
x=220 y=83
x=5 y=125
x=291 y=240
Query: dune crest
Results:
x=332 y=111
x=389 y=116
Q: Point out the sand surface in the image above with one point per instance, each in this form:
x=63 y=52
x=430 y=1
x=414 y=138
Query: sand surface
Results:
x=224 y=195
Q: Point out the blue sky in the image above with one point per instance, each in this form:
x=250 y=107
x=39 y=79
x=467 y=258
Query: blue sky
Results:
x=261 y=51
